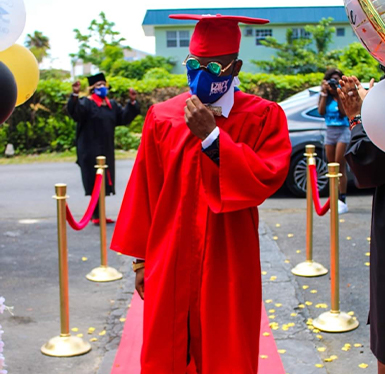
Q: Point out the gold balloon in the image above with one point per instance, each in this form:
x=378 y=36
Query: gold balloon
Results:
x=24 y=68
x=367 y=18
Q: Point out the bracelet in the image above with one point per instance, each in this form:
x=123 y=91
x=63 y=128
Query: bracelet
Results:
x=74 y=94
x=137 y=265
x=323 y=94
x=354 y=121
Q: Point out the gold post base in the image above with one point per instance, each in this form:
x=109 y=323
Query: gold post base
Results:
x=335 y=322
x=104 y=274
x=65 y=346
x=309 y=269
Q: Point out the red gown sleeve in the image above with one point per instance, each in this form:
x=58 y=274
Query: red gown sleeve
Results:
x=139 y=201
x=248 y=174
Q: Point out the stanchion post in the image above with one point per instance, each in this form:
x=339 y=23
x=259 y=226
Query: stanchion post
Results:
x=64 y=345
x=334 y=320
x=309 y=268
x=103 y=273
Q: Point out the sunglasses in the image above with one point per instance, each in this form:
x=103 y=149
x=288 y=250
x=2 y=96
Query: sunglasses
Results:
x=214 y=68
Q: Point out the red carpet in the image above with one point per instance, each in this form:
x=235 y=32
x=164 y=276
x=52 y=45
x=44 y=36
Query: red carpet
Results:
x=127 y=360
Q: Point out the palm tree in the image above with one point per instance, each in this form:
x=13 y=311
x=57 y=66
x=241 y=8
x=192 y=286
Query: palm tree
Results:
x=38 y=44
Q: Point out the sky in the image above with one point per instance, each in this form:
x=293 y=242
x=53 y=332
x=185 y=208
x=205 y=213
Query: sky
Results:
x=57 y=19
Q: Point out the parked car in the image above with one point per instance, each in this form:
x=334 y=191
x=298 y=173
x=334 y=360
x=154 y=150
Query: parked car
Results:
x=306 y=126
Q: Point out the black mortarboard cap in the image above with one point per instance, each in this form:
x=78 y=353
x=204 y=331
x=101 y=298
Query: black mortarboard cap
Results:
x=96 y=78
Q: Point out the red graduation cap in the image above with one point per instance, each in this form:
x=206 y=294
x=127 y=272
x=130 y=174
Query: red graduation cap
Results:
x=216 y=35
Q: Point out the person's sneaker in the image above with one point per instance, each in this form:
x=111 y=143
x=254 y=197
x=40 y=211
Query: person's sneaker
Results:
x=342 y=207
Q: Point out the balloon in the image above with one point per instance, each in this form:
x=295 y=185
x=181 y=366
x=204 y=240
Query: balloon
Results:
x=12 y=22
x=24 y=68
x=373 y=115
x=367 y=18
x=8 y=93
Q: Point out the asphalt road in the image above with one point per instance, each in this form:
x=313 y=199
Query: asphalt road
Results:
x=29 y=280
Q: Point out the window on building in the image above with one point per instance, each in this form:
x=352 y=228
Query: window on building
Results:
x=340 y=31
x=178 y=38
x=262 y=35
x=301 y=33
x=248 y=31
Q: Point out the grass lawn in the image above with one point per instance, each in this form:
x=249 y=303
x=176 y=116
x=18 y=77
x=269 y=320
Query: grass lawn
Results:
x=68 y=156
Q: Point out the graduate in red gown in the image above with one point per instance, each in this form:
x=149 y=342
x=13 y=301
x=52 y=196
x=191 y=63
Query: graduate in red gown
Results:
x=207 y=159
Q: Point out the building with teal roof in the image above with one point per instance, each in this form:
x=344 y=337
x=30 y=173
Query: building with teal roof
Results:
x=172 y=37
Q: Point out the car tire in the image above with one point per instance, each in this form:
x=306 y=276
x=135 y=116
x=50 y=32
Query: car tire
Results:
x=296 y=179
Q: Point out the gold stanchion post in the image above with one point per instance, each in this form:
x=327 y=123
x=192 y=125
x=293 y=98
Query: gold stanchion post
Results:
x=334 y=320
x=103 y=273
x=309 y=268
x=64 y=345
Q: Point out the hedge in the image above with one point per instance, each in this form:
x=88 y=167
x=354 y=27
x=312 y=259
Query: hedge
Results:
x=42 y=124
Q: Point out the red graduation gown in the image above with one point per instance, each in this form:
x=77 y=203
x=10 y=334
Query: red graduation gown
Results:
x=196 y=225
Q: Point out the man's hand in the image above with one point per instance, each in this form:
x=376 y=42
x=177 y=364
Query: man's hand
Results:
x=199 y=119
x=76 y=87
x=139 y=282
x=132 y=95
x=349 y=96
x=361 y=90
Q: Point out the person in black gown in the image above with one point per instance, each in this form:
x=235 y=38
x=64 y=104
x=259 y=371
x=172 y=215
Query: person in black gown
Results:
x=367 y=163
x=96 y=118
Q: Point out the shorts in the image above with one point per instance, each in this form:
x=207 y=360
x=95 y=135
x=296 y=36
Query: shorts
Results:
x=337 y=134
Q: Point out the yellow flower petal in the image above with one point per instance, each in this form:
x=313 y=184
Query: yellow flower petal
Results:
x=273 y=278
x=266 y=334
x=342 y=220
x=308 y=303
x=84 y=258
x=272 y=316
x=313 y=291
x=367 y=254
x=293 y=315
x=91 y=330
x=79 y=335
x=101 y=333
x=321 y=306
x=316 y=331
x=319 y=336
x=367 y=263
x=290 y=235
x=278 y=305
x=328 y=359
x=351 y=313
x=358 y=345
x=348 y=238
x=264 y=272
x=291 y=324
x=305 y=287
x=277 y=225
x=93 y=339
x=319 y=366
x=75 y=329
x=282 y=351
x=118 y=253
x=368 y=239
x=301 y=306
x=287 y=261
x=264 y=356
x=271 y=310
x=298 y=251
x=268 y=301
x=321 y=349
x=122 y=319
x=363 y=366
x=334 y=357
x=275 y=237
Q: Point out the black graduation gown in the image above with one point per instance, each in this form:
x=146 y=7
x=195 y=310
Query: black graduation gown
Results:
x=367 y=163
x=95 y=132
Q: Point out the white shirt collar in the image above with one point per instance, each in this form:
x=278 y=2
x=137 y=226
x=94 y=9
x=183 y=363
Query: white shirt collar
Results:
x=227 y=100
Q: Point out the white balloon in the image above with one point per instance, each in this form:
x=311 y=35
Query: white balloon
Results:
x=373 y=115
x=367 y=18
x=12 y=22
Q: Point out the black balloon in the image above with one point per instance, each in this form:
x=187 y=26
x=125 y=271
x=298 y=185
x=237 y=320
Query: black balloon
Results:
x=8 y=93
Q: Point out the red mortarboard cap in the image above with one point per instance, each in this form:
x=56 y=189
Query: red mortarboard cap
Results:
x=216 y=35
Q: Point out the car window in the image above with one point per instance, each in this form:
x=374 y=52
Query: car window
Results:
x=314 y=113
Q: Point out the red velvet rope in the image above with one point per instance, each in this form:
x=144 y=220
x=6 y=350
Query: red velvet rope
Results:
x=91 y=207
x=314 y=187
